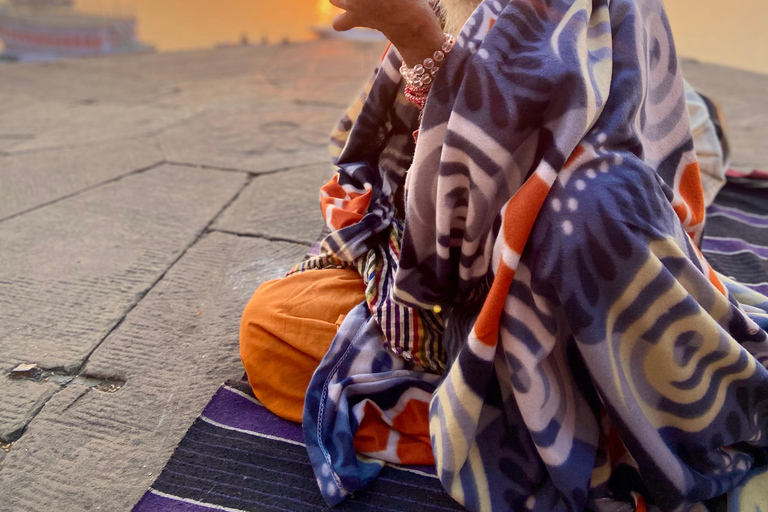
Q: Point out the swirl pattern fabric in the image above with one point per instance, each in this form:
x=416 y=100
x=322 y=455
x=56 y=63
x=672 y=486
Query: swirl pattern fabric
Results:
x=553 y=210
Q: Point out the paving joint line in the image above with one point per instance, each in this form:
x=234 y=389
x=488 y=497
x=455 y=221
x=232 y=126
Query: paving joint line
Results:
x=140 y=296
x=73 y=402
x=90 y=144
x=321 y=104
x=84 y=190
x=254 y=174
x=270 y=238
x=143 y=294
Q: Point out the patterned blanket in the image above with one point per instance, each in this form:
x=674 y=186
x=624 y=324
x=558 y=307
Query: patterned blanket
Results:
x=552 y=218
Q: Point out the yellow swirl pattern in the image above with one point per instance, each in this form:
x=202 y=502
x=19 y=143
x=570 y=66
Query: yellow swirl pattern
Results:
x=660 y=366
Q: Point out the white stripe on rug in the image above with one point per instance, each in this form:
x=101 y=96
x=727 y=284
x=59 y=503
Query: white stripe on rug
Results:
x=250 y=432
x=194 y=502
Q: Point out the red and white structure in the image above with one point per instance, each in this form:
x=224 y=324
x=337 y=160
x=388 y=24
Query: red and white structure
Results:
x=40 y=29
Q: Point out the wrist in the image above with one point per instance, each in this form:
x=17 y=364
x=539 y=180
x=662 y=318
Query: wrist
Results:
x=418 y=40
x=415 y=52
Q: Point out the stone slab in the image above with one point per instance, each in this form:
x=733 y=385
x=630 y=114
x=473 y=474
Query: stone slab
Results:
x=50 y=125
x=141 y=77
x=284 y=205
x=743 y=97
x=173 y=350
x=69 y=272
x=79 y=81
x=254 y=108
x=335 y=73
x=11 y=139
x=21 y=399
x=152 y=78
x=335 y=59
x=190 y=66
x=32 y=179
x=323 y=72
x=255 y=138
x=221 y=92
x=10 y=100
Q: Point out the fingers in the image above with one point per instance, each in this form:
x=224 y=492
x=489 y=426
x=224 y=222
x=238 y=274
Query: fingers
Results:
x=344 y=22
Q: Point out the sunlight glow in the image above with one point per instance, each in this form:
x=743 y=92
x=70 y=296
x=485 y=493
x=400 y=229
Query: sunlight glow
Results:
x=326 y=12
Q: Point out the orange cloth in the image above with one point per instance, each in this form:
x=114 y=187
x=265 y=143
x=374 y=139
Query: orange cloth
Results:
x=286 y=330
x=412 y=444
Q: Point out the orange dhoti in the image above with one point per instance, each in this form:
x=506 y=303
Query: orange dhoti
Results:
x=286 y=330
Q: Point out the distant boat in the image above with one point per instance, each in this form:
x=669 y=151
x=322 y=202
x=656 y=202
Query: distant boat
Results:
x=355 y=34
x=326 y=12
x=50 y=29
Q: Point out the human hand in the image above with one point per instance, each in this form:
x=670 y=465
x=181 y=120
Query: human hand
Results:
x=411 y=25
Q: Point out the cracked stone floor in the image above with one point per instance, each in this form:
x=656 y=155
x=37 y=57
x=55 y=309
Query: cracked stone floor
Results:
x=142 y=200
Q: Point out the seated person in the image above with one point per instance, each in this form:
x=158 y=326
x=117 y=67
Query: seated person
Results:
x=512 y=288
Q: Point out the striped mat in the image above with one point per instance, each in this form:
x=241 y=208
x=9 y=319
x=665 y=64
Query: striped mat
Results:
x=736 y=233
x=237 y=456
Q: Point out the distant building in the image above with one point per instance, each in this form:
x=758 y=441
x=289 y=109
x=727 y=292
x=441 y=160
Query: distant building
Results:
x=49 y=29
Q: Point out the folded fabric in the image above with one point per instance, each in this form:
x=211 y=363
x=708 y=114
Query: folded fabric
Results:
x=754 y=178
x=710 y=142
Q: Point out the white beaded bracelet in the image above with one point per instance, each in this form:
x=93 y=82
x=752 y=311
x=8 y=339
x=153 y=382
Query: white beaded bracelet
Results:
x=420 y=76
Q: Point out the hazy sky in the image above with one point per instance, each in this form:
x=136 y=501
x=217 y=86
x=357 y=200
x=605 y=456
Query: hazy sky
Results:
x=727 y=32
x=180 y=24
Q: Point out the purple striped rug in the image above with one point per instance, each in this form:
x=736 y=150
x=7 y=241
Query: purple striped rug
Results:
x=239 y=457
x=736 y=235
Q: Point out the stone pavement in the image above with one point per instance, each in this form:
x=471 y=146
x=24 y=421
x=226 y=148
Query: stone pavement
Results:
x=142 y=200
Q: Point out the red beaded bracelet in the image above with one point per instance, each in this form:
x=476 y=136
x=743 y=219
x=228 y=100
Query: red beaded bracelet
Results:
x=418 y=79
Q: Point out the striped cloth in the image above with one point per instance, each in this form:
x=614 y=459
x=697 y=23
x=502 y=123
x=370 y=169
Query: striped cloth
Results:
x=415 y=334
x=239 y=457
